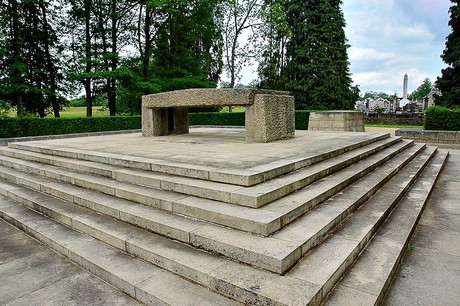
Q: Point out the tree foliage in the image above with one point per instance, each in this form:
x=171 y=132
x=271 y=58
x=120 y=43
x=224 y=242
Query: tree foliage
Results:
x=29 y=62
x=317 y=72
x=422 y=91
x=306 y=53
x=118 y=50
x=449 y=82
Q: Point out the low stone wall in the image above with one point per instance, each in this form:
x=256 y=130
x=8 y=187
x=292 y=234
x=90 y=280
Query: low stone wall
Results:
x=450 y=137
x=341 y=121
x=395 y=120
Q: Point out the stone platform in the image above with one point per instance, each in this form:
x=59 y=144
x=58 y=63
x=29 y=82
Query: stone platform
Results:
x=255 y=223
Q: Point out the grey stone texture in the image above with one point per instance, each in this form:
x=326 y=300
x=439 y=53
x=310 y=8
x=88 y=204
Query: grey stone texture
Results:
x=270 y=115
x=448 y=137
x=339 y=121
x=107 y=212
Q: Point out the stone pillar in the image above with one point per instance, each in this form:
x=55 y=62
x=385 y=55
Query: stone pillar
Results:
x=164 y=121
x=147 y=122
x=270 y=118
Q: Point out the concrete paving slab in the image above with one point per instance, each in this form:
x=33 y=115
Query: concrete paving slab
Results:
x=430 y=271
x=32 y=274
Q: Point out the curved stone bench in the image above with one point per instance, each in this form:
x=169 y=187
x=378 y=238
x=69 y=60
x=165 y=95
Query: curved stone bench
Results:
x=270 y=114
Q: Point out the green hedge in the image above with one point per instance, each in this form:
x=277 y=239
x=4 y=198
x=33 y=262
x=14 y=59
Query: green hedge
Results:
x=23 y=127
x=225 y=119
x=441 y=118
x=238 y=119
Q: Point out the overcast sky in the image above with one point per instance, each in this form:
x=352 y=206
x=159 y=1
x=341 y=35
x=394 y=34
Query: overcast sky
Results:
x=389 y=38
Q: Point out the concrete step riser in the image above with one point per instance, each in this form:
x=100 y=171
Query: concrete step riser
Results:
x=182 y=208
x=170 y=184
x=322 y=234
x=223 y=284
x=354 y=254
x=231 y=178
x=385 y=251
x=202 y=242
x=109 y=264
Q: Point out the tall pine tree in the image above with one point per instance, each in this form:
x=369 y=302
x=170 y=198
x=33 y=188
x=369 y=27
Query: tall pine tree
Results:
x=29 y=73
x=449 y=82
x=317 y=72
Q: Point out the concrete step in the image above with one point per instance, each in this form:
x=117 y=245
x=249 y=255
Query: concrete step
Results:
x=307 y=283
x=277 y=253
x=143 y=281
x=255 y=196
x=370 y=277
x=263 y=221
x=246 y=176
x=231 y=279
x=327 y=263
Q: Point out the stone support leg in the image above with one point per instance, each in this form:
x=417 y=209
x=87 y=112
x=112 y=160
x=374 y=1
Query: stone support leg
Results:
x=180 y=120
x=164 y=121
x=270 y=118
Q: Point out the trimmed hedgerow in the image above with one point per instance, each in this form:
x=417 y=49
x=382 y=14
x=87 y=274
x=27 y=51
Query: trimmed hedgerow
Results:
x=442 y=118
x=224 y=119
x=238 y=119
x=23 y=127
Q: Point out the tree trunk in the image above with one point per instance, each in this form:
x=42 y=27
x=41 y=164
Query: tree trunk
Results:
x=49 y=64
x=148 y=47
x=16 y=73
x=112 y=94
x=89 y=98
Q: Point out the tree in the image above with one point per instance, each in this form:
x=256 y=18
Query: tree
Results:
x=29 y=61
x=449 y=82
x=317 y=71
x=375 y=95
x=239 y=17
x=187 y=42
x=276 y=33
x=422 y=91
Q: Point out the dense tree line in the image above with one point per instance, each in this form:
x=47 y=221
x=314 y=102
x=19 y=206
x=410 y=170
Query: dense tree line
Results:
x=123 y=49
x=449 y=82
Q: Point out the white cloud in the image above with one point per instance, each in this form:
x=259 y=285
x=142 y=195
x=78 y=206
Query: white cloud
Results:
x=390 y=38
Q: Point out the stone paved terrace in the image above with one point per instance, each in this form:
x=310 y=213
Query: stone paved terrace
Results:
x=215 y=154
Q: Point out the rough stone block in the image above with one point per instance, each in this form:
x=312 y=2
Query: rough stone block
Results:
x=270 y=118
x=341 y=121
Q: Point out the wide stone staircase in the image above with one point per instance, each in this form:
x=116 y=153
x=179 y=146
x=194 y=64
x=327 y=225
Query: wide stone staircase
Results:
x=325 y=228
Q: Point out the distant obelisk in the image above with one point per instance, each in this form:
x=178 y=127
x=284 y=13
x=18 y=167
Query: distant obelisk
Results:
x=404 y=100
x=406 y=79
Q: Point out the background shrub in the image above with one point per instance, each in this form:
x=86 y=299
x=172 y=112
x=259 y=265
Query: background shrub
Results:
x=22 y=127
x=442 y=118
x=238 y=119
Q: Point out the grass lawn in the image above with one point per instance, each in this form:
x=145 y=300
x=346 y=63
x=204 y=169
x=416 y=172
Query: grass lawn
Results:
x=98 y=111
x=400 y=126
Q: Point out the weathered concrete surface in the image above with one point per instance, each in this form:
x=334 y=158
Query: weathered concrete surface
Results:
x=207 y=153
x=32 y=274
x=269 y=114
x=343 y=121
x=430 y=271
